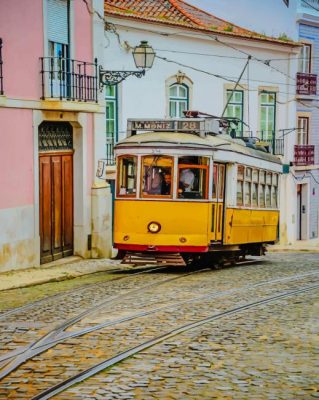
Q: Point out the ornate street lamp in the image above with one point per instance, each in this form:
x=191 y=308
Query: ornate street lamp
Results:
x=143 y=55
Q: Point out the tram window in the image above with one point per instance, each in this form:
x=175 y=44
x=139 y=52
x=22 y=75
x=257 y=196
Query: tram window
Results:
x=274 y=191
x=240 y=184
x=261 y=195
x=240 y=189
x=255 y=179
x=274 y=197
x=240 y=172
x=127 y=176
x=192 y=177
x=157 y=176
x=221 y=181
x=268 y=196
x=255 y=194
x=247 y=186
x=215 y=181
x=247 y=194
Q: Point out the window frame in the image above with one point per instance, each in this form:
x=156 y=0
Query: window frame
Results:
x=265 y=135
x=110 y=140
x=119 y=163
x=178 y=99
x=239 y=128
x=305 y=64
x=303 y=134
x=193 y=166
x=143 y=195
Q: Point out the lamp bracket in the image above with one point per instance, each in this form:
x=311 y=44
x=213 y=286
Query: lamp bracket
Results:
x=111 y=78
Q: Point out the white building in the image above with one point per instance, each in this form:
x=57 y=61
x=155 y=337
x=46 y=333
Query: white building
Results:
x=199 y=59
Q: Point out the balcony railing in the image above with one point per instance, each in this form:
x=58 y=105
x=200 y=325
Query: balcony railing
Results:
x=264 y=139
x=67 y=79
x=306 y=84
x=110 y=159
x=1 y=76
x=304 y=155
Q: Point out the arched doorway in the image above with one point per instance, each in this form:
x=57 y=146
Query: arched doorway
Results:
x=56 y=190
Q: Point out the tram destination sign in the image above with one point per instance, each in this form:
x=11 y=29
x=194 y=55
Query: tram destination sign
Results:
x=166 y=125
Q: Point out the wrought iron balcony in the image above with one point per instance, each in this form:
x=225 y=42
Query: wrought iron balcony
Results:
x=67 y=79
x=264 y=139
x=1 y=76
x=110 y=159
x=306 y=84
x=304 y=155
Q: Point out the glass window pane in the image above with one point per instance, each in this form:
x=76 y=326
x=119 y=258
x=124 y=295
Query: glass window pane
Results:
x=127 y=176
x=173 y=91
x=157 y=176
x=268 y=196
x=172 y=109
x=274 y=197
x=261 y=195
x=240 y=172
x=215 y=181
x=247 y=193
x=221 y=176
x=240 y=189
x=255 y=195
x=182 y=91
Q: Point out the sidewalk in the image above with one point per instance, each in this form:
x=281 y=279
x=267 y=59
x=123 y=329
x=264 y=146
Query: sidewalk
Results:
x=311 y=245
x=72 y=267
x=67 y=268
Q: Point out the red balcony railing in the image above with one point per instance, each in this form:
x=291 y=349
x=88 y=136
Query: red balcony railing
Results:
x=306 y=84
x=304 y=155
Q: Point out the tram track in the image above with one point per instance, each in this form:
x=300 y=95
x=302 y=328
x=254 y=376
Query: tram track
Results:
x=58 y=336
x=22 y=355
x=108 y=363
x=44 y=300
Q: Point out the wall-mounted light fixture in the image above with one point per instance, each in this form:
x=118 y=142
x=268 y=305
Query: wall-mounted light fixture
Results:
x=143 y=55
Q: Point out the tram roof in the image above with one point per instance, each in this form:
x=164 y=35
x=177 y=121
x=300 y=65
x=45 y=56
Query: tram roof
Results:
x=187 y=140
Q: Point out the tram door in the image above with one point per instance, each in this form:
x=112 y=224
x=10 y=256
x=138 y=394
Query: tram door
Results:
x=218 y=202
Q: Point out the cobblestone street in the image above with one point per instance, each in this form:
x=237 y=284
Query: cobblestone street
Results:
x=243 y=332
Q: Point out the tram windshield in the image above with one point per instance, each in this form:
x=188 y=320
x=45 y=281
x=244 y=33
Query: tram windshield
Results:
x=192 y=178
x=127 y=176
x=157 y=176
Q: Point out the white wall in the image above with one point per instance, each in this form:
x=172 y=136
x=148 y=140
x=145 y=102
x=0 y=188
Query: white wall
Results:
x=146 y=97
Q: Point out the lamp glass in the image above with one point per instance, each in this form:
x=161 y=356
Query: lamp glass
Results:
x=144 y=55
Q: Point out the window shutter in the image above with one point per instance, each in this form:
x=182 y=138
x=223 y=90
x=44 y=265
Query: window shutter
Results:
x=58 y=21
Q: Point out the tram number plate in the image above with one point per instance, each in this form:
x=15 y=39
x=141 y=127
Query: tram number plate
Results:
x=188 y=125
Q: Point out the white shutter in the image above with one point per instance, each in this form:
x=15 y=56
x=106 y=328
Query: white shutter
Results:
x=58 y=21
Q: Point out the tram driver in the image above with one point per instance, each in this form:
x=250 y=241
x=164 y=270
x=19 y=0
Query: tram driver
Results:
x=186 y=180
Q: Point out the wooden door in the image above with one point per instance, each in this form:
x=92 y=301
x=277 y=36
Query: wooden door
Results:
x=56 y=206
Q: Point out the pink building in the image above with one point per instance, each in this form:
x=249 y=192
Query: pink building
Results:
x=52 y=131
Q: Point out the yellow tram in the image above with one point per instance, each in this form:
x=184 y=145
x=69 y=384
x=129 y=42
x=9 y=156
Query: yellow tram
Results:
x=185 y=191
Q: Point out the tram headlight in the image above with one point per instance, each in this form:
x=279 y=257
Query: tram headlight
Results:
x=154 y=227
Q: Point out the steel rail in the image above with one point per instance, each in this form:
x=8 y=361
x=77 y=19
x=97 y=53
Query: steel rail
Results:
x=21 y=357
x=60 y=387
x=38 y=349
x=15 y=310
x=70 y=335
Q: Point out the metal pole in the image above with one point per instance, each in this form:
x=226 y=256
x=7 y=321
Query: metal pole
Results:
x=237 y=83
